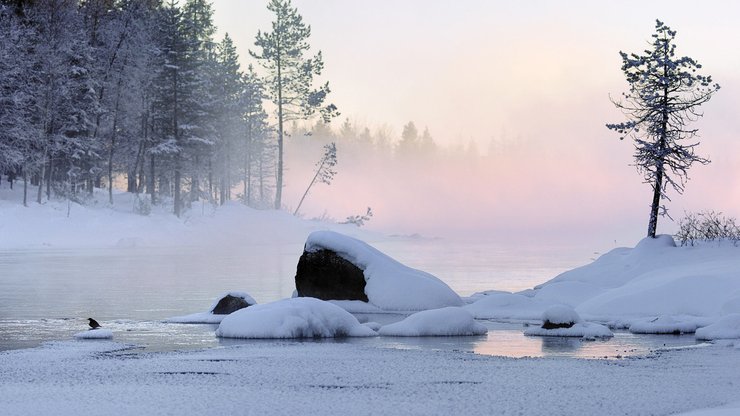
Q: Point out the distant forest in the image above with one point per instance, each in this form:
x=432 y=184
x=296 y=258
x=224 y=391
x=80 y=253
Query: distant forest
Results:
x=139 y=94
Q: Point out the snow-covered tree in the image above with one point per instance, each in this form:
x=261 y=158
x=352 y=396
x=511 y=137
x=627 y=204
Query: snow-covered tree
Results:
x=290 y=75
x=257 y=151
x=664 y=97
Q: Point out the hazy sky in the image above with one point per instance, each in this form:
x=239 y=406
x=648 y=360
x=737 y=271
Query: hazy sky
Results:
x=536 y=75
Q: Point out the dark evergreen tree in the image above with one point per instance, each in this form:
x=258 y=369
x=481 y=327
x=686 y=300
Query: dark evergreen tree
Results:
x=664 y=97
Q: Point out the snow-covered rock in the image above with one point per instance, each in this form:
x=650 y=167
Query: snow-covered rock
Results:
x=727 y=327
x=563 y=321
x=292 y=318
x=98 y=333
x=663 y=325
x=559 y=316
x=450 y=321
x=222 y=306
x=507 y=306
x=389 y=285
x=655 y=278
x=587 y=330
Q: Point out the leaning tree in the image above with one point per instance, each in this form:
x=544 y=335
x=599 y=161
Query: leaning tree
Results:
x=664 y=97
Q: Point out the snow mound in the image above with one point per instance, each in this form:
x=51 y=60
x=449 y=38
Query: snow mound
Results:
x=390 y=285
x=450 y=321
x=210 y=317
x=560 y=315
x=507 y=306
x=95 y=334
x=292 y=318
x=663 y=325
x=727 y=327
x=655 y=278
x=587 y=330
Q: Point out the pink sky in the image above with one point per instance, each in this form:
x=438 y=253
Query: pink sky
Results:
x=541 y=72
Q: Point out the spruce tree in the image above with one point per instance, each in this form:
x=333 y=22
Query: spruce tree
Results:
x=664 y=97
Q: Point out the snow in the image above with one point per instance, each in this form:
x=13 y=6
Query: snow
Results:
x=210 y=317
x=99 y=224
x=560 y=314
x=727 y=327
x=685 y=287
x=390 y=285
x=663 y=325
x=334 y=378
x=587 y=330
x=98 y=333
x=507 y=306
x=292 y=318
x=449 y=321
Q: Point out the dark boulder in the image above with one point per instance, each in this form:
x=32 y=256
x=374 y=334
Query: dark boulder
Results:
x=549 y=325
x=323 y=274
x=229 y=304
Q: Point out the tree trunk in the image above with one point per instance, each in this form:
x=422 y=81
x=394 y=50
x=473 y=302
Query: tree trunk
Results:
x=150 y=182
x=25 y=187
x=660 y=162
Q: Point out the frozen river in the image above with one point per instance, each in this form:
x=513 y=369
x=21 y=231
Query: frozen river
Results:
x=47 y=294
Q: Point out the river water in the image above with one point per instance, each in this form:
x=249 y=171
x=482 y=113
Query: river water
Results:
x=48 y=294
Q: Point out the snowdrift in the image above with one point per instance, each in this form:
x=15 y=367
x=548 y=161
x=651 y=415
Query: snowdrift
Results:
x=686 y=287
x=450 y=321
x=292 y=318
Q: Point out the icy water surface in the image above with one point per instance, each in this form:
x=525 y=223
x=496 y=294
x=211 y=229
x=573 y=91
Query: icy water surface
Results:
x=47 y=294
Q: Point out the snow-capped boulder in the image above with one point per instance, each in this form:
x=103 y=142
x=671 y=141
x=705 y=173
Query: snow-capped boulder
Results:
x=98 y=333
x=231 y=302
x=563 y=321
x=559 y=316
x=225 y=304
x=324 y=274
x=450 y=321
x=663 y=325
x=292 y=318
x=727 y=327
x=331 y=260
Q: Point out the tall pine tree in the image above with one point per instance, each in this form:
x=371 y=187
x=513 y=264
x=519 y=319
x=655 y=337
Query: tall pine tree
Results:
x=290 y=75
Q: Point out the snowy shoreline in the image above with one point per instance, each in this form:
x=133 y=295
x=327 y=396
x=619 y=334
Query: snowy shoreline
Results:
x=336 y=378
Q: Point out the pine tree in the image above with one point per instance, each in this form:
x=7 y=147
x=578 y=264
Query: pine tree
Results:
x=256 y=150
x=664 y=97
x=228 y=87
x=290 y=75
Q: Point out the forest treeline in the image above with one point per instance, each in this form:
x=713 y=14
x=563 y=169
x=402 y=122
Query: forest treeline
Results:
x=139 y=94
x=94 y=90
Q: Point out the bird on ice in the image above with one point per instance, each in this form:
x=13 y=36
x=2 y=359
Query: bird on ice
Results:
x=93 y=323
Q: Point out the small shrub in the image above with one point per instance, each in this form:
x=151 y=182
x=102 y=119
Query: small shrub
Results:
x=707 y=226
x=359 y=220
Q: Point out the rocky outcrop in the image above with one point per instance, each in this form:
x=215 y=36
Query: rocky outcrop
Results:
x=229 y=304
x=325 y=275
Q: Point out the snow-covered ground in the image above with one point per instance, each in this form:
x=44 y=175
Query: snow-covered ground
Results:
x=59 y=224
x=334 y=378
